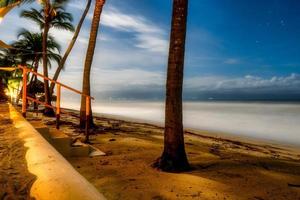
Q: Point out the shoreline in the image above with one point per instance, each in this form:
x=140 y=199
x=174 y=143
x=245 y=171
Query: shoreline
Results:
x=201 y=132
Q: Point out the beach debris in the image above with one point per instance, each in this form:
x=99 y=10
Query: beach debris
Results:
x=157 y=198
x=215 y=149
x=189 y=143
x=264 y=165
x=114 y=125
x=294 y=185
x=109 y=153
x=258 y=198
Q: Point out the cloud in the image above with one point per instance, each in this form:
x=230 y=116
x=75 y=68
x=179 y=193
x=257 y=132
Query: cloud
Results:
x=64 y=37
x=79 y=5
x=110 y=79
x=143 y=84
x=253 y=84
x=232 y=61
x=147 y=35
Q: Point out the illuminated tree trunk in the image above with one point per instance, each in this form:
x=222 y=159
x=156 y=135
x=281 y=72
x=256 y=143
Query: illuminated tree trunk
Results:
x=89 y=60
x=174 y=157
x=48 y=111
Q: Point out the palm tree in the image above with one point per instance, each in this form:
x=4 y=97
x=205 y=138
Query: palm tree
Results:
x=89 y=59
x=29 y=49
x=70 y=47
x=51 y=15
x=174 y=157
x=7 y=58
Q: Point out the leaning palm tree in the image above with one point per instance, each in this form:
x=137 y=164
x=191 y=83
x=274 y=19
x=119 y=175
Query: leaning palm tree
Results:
x=88 y=62
x=174 y=156
x=51 y=15
x=70 y=47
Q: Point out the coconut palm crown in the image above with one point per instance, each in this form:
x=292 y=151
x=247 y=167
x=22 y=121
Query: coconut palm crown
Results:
x=58 y=19
x=29 y=47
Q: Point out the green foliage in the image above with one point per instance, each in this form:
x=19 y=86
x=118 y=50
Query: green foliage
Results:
x=59 y=18
x=29 y=47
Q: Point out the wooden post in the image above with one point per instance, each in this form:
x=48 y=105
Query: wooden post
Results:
x=24 y=95
x=87 y=119
x=58 y=89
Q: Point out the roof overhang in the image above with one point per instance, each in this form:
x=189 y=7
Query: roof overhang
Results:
x=5 y=10
x=8 y=69
x=4 y=45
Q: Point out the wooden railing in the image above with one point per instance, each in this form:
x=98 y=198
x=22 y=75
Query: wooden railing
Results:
x=57 y=108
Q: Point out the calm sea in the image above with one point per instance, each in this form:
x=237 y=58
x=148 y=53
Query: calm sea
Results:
x=271 y=121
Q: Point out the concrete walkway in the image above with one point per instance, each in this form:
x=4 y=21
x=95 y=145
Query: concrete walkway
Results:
x=55 y=178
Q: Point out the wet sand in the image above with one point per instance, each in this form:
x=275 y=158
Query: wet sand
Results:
x=221 y=168
x=15 y=179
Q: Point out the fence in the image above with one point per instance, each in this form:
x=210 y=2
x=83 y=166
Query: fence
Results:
x=57 y=108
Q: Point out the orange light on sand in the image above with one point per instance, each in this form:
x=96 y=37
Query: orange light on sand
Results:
x=7 y=93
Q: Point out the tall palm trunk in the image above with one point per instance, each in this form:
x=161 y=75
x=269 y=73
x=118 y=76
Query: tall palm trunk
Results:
x=70 y=47
x=35 y=65
x=33 y=81
x=89 y=60
x=174 y=157
x=48 y=111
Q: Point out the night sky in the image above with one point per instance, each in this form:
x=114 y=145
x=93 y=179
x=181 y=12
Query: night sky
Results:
x=236 y=50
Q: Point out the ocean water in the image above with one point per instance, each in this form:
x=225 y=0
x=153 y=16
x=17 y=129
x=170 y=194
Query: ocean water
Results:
x=279 y=122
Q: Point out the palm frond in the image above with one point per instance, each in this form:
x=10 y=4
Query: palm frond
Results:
x=34 y=15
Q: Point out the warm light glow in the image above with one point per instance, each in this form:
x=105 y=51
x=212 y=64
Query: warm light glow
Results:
x=1 y=18
x=7 y=93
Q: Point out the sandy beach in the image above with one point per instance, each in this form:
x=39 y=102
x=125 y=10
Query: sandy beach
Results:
x=149 y=100
x=222 y=168
x=15 y=179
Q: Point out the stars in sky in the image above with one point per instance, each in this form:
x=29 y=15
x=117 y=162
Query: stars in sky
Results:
x=226 y=40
